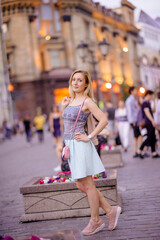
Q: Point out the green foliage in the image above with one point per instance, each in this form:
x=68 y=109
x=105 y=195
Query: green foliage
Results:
x=124 y=90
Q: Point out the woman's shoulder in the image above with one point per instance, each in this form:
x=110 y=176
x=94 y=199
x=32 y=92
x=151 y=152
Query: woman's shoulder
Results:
x=89 y=100
x=145 y=104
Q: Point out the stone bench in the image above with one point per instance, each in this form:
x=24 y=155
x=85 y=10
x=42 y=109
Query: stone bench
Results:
x=112 y=158
x=63 y=200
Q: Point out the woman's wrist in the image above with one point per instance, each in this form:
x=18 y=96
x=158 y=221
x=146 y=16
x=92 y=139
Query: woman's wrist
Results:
x=90 y=137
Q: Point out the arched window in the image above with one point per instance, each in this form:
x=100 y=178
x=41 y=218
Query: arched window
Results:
x=155 y=62
x=144 y=60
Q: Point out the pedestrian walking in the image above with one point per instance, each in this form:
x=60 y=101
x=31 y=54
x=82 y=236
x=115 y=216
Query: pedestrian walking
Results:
x=84 y=160
x=122 y=124
x=55 y=123
x=157 y=112
x=150 y=125
x=132 y=115
x=27 y=127
x=39 y=122
x=110 y=109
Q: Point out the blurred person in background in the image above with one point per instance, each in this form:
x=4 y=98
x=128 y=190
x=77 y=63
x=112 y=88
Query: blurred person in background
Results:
x=132 y=115
x=8 y=130
x=157 y=112
x=55 y=124
x=39 y=122
x=21 y=126
x=122 y=124
x=142 y=126
x=150 y=125
x=111 y=115
x=27 y=127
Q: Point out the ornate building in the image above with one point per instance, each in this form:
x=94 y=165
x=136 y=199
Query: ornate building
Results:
x=41 y=41
x=6 y=113
x=149 y=51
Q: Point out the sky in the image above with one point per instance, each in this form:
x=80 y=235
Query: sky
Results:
x=151 y=7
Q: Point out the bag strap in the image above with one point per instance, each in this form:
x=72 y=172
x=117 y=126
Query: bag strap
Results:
x=77 y=118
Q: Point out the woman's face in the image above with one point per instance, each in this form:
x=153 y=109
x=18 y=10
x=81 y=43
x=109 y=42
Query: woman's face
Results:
x=121 y=104
x=78 y=83
x=55 y=109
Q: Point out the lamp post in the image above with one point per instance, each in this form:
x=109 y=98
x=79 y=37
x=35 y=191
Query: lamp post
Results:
x=83 y=50
x=123 y=51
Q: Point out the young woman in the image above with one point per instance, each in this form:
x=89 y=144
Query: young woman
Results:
x=122 y=124
x=84 y=160
x=150 y=125
x=55 y=124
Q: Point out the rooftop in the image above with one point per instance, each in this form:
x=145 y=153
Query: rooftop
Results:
x=145 y=18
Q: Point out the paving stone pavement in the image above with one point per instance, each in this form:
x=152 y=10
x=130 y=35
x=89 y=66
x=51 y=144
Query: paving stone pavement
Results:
x=138 y=183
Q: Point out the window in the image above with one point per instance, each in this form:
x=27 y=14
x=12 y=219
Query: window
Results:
x=5 y=29
x=42 y=61
x=48 y=20
x=38 y=22
x=135 y=48
x=87 y=29
x=9 y=62
x=144 y=60
x=155 y=62
x=46 y=12
x=54 y=58
x=46 y=1
x=151 y=35
x=146 y=79
x=57 y=20
x=47 y=28
x=131 y=17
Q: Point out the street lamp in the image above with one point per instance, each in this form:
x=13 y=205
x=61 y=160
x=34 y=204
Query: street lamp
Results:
x=104 y=45
x=83 y=50
x=108 y=85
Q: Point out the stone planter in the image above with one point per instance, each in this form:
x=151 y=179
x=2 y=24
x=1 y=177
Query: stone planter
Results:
x=62 y=200
x=112 y=158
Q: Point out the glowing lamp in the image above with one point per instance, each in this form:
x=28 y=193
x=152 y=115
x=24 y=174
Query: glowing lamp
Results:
x=10 y=88
x=142 y=90
x=48 y=37
x=116 y=88
x=108 y=85
x=125 y=49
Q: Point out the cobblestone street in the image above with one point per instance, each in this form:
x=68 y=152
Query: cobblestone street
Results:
x=138 y=183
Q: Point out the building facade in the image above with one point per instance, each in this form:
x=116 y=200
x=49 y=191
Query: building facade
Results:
x=41 y=43
x=6 y=113
x=149 y=51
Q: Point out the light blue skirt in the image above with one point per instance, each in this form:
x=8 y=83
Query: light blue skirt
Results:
x=84 y=160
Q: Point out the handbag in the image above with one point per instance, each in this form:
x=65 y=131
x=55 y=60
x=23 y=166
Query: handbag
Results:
x=66 y=150
x=65 y=153
x=65 y=166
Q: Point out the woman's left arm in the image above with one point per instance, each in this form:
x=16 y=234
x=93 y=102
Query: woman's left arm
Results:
x=99 y=115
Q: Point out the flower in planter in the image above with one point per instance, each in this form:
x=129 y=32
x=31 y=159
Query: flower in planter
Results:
x=41 y=181
x=6 y=238
x=66 y=177
x=94 y=177
x=34 y=238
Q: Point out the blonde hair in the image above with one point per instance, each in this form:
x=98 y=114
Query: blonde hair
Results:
x=88 y=90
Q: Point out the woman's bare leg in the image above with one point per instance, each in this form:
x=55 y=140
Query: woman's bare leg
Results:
x=102 y=201
x=93 y=196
